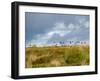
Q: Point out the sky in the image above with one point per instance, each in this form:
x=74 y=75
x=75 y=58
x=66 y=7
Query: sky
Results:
x=47 y=28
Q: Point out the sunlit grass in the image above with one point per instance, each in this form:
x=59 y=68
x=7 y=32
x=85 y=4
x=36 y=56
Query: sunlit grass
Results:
x=56 y=56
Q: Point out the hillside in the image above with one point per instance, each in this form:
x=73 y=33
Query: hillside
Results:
x=53 y=56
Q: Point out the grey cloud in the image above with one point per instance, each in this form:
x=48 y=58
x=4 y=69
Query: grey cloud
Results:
x=63 y=27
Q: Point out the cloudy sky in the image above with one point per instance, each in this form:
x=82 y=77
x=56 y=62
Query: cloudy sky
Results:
x=46 y=28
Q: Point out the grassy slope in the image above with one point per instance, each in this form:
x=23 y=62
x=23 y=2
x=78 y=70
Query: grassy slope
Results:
x=57 y=56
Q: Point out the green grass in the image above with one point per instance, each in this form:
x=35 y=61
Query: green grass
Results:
x=57 y=56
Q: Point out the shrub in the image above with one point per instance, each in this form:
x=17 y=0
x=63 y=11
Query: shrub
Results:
x=74 y=56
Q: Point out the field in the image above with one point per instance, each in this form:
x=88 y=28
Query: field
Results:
x=56 y=56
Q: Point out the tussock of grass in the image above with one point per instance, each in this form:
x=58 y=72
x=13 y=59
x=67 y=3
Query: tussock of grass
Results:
x=57 y=56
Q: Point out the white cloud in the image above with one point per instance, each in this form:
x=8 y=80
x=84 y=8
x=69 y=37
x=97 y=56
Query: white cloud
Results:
x=59 y=28
x=81 y=20
x=39 y=40
x=86 y=24
x=59 y=32
x=71 y=26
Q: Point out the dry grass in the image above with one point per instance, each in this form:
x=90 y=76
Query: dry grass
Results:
x=57 y=56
